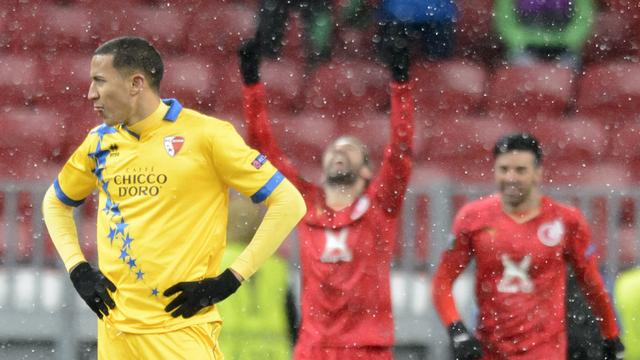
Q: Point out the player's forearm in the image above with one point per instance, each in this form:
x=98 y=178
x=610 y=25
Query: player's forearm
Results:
x=402 y=116
x=396 y=166
x=255 y=111
x=600 y=301
x=442 y=292
x=261 y=137
x=62 y=228
x=285 y=207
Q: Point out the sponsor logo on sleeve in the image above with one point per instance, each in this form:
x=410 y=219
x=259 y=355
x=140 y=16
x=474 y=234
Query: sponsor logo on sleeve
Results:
x=259 y=161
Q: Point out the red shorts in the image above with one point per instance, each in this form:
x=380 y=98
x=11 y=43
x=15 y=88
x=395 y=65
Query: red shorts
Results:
x=342 y=353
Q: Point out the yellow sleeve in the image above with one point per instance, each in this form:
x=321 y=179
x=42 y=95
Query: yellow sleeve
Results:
x=285 y=207
x=59 y=220
x=77 y=179
x=242 y=167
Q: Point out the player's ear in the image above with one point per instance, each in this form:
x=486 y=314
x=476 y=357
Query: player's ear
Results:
x=538 y=174
x=137 y=83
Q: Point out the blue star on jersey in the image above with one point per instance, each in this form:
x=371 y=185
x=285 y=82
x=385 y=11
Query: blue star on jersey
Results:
x=103 y=130
x=118 y=229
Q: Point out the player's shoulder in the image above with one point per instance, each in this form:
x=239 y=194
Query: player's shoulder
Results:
x=561 y=208
x=484 y=205
x=478 y=211
x=203 y=123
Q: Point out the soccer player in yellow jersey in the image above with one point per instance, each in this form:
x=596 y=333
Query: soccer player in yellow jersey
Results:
x=163 y=174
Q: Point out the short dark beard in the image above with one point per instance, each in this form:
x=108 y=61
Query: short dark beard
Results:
x=342 y=178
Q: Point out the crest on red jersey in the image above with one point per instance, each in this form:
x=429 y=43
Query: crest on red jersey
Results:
x=336 y=248
x=551 y=233
x=173 y=144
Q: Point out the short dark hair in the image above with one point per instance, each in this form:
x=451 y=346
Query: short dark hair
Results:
x=519 y=141
x=134 y=53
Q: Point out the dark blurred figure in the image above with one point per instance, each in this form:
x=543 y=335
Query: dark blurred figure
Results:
x=429 y=24
x=317 y=23
x=544 y=29
x=583 y=334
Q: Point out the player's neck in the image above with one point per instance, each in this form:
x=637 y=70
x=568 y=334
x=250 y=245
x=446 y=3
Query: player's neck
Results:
x=525 y=211
x=338 y=197
x=147 y=104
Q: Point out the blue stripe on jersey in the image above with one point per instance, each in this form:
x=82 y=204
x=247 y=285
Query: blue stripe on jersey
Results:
x=174 y=109
x=63 y=197
x=268 y=188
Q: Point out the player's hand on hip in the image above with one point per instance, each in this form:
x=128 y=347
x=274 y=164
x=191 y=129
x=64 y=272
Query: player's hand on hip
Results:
x=93 y=287
x=464 y=345
x=613 y=349
x=249 y=55
x=195 y=295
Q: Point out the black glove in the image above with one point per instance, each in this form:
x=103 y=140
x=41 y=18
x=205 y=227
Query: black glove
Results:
x=613 y=349
x=196 y=295
x=394 y=49
x=464 y=345
x=249 y=54
x=92 y=286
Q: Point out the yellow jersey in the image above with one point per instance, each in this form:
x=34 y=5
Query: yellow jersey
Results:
x=163 y=195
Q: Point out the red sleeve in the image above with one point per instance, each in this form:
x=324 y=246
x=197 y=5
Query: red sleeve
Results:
x=452 y=263
x=390 y=184
x=581 y=253
x=261 y=136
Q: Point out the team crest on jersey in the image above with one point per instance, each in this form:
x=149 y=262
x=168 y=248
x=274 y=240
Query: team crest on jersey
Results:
x=173 y=144
x=551 y=233
x=335 y=246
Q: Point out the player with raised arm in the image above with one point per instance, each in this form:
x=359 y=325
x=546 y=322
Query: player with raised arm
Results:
x=347 y=236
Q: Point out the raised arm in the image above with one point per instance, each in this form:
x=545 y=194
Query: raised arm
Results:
x=392 y=179
x=260 y=135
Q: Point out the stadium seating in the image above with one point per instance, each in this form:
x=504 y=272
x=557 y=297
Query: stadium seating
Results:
x=32 y=142
x=345 y=87
x=283 y=81
x=192 y=81
x=615 y=33
x=217 y=28
x=475 y=37
x=20 y=83
x=574 y=148
x=610 y=91
x=526 y=92
x=461 y=146
x=449 y=88
x=163 y=26
x=67 y=78
x=303 y=136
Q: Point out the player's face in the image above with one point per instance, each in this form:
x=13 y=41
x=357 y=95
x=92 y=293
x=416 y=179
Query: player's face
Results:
x=109 y=91
x=517 y=175
x=342 y=162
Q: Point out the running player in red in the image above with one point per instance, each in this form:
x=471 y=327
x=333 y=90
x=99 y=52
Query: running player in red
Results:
x=346 y=237
x=521 y=241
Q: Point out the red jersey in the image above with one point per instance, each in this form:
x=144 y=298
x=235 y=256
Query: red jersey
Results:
x=345 y=255
x=521 y=277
